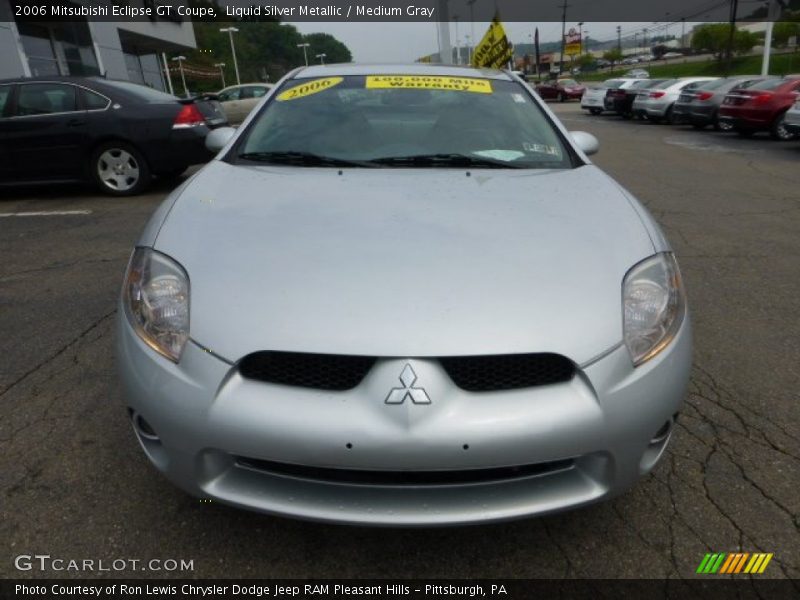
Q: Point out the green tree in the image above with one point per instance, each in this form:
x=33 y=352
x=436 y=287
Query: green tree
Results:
x=324 y=43
x=585 y=60
x=783 y=31
x=714 y=38
x=613 y=55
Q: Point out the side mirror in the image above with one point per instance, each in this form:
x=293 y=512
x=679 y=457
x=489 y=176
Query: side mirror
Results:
x=218 y=138
x=585 y=141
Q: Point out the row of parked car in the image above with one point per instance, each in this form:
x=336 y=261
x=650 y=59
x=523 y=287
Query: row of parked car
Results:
x=746 y=104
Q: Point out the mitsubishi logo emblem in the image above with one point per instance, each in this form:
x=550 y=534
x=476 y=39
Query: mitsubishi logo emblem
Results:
x=417 y=395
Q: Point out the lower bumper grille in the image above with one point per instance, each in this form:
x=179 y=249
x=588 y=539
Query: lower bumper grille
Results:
x=404 y=478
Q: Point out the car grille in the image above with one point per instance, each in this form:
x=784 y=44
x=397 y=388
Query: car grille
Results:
x=332 y=372
x=335 y=372
x=402 y=478
x=507 y=371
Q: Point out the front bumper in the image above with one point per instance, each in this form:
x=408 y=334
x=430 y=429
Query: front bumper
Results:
x=273 y=448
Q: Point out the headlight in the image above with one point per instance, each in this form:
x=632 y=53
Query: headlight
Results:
x=654 y=303
x=156 y=298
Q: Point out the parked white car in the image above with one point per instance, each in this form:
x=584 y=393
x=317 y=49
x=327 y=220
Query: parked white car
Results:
x=656 y=104
x=594 y=98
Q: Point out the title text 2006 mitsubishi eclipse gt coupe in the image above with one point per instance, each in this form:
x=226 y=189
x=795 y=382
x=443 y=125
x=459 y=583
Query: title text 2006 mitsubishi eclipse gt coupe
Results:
x=403 y=296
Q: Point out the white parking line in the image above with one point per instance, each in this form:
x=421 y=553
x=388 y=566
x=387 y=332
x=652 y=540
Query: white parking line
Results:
x=47 y=213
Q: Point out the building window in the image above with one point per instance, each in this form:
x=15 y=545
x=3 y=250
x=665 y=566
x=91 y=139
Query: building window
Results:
x=58 y=49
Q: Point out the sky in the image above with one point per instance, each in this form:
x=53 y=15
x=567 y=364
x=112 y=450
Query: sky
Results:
x=405 y=42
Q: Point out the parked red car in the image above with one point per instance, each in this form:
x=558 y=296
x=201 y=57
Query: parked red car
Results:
x=761 y=107
x=561 y=90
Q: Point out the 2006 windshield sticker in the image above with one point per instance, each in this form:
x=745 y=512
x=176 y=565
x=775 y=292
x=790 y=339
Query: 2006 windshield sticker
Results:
x=425 y=82
x=306 y=89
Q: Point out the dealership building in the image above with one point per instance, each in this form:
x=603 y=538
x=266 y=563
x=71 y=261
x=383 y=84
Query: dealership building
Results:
x=130 y=50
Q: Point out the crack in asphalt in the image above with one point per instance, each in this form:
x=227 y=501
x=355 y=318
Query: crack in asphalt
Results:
x=57 y=266
x=57 y=353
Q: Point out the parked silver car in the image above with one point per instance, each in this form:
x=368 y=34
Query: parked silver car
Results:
x=656 y=104
x=791 y=120
x=238 y=100
x=403 y=295
x=700 y=106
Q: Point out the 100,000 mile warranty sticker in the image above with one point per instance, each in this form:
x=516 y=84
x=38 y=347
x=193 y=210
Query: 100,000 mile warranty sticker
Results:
x=425 y=82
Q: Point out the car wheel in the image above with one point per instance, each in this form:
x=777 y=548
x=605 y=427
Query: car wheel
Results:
x=119 y=169
x=595 y=111
x=722 y=125
x=778 y=131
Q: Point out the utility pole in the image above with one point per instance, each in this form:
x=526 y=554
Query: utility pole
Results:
x=619 y=38
x=445 y=49
x=683 y=32
x=773 y=14
x=471 y=29
x=580 y=44
x=563 y=33
x=731 y=33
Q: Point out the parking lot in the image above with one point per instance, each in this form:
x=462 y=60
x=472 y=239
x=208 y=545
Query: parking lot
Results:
x=75 y=484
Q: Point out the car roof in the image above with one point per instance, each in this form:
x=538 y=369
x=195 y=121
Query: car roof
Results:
x=399 y=69
x=58 y=78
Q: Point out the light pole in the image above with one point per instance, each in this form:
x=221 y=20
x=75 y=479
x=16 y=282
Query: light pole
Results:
x=580 y=43
x=180 y=60
x=304 y=46
x=230 y=31
x=458 y=42
x=221 y=72
x=469 y=48
x=321 y=58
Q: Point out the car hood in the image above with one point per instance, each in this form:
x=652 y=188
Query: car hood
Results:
x=404 y=262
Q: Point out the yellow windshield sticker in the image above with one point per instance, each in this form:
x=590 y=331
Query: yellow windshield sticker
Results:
x=306 y=89
x=427 y=82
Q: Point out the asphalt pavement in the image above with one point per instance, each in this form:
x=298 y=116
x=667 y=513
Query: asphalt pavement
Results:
x=75 y=485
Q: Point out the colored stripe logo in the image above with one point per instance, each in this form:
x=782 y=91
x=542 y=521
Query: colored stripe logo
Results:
x=733 y=563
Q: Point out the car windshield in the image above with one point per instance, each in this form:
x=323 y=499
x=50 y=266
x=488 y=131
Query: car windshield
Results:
x=568 y=82
x=403 y=121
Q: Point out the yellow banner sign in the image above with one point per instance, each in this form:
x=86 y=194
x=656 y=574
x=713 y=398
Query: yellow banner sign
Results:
x=494 y=50
x=428 y=82
x=306 y=89
x=572 y=49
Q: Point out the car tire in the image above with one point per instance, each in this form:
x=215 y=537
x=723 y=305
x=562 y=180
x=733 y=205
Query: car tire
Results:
x=119 y=169
x=595 y=111
x=778 y=130
x=670 y=117
x=723 y=126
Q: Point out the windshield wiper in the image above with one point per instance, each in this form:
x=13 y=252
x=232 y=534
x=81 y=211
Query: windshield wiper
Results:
x=447 y=160
x=305 y=159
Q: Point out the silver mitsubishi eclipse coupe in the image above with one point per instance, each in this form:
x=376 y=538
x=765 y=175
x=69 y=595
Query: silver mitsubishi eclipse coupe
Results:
x=403 y=295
